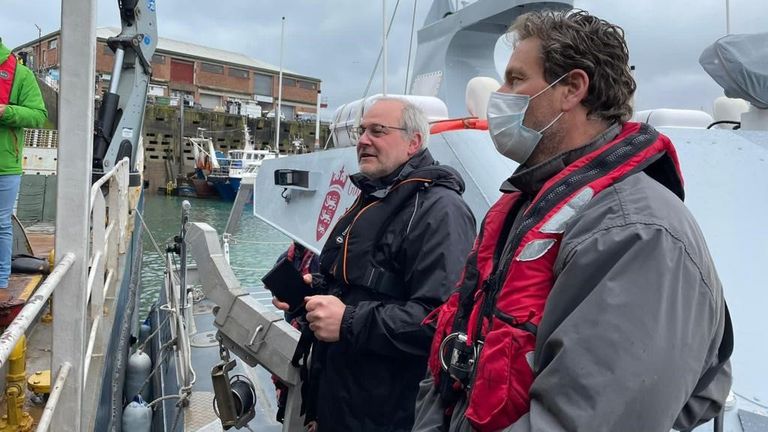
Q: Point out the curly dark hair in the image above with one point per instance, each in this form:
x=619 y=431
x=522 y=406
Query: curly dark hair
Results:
x=577 y=40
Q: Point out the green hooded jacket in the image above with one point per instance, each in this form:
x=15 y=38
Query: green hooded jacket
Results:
x=26 y=109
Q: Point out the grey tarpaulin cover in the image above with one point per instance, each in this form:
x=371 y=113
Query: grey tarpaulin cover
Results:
x=739 y=63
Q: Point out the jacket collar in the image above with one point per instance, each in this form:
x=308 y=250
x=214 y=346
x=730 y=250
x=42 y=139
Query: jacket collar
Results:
x=380 y=186
x=4 y=52
x=530 y=179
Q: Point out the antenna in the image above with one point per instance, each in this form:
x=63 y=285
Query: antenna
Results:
x=279 y=91
x=384 y=46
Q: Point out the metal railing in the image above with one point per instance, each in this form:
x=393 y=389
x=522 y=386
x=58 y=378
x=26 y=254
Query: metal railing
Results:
x=26 y=317
x=109 y=232
x=53 y=398
x=109 y=228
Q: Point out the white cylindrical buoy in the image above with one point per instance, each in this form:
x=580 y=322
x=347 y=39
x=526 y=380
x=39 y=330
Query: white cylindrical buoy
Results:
x=139 y=368
x=137 y=416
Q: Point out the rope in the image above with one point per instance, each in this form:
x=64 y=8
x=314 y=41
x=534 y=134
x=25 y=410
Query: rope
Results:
x=177 y=417
x=410 y=47
x=160 y=399
x=325 y=147
x=151 y=237
x=157 y=330
x=184 y=392
x=251 y=269
x=163 y=352
x=235 y=240
x=197 y=295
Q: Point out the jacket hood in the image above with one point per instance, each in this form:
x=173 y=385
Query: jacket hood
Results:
x=4 y=52
x=421 y=165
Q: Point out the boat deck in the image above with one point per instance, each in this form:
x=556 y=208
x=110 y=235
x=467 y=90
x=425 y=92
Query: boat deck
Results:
x=21 y=286
x=39 y=337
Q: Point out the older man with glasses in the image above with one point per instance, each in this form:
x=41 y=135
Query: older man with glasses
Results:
x=389 y=261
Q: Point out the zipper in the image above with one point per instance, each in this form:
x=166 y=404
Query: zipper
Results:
x=15 y=144
x=347 y=235
x=501 y=255
x=339 y=255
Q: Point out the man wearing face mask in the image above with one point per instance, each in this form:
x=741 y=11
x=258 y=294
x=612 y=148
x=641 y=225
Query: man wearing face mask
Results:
x=590 y=301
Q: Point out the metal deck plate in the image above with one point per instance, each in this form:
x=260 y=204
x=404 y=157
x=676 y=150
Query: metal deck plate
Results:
x=199 y=413
x=205 y=339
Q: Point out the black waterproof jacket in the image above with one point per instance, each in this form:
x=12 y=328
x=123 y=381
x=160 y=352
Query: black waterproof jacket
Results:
x=368 y=380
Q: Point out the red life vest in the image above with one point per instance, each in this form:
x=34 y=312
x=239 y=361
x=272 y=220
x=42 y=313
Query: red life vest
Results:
x=7 y=72
x=500 y=302
x=306 y=258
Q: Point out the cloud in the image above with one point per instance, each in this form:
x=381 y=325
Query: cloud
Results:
x=338 y=41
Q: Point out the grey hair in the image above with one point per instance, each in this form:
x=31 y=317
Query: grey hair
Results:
x=412 y=119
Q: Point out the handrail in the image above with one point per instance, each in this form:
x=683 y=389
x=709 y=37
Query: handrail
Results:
x=89 y=349
x=53 y=398
x=103 y=254
x=97 y=257
x=96 y=188
x=34 y=305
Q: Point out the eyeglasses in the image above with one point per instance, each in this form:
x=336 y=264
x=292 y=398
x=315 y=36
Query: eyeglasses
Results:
x=374 y=129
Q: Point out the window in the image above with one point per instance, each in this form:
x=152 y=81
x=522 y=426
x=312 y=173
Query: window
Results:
x=156 y=90
x=238 y=73
x=212 y=68
x=262 y=84
x=289 y=112
x=158 y=59
x=53 y=43
x=289 y=82
x=307 y=85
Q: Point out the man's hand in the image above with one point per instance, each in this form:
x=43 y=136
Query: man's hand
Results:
x=2 y=109
x=280 y=305
x=324 y=314
x=285 y=306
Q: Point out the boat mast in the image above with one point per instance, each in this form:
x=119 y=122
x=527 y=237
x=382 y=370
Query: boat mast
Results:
x=279 y=91
x=727 y=17
x=384 y=46
x=317 y=121
x=181 y=141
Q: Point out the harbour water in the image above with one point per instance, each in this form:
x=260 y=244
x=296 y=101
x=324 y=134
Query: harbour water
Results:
x=254 y=247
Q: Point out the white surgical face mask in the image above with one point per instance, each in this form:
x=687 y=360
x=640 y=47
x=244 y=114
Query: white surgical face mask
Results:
x=505 y=123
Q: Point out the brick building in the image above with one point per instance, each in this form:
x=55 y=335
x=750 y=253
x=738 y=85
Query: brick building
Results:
x=208 y=76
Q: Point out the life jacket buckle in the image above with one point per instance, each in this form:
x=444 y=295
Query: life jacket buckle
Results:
x=463 y=357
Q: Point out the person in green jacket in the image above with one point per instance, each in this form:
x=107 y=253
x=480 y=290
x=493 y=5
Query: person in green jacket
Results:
x=21 y=106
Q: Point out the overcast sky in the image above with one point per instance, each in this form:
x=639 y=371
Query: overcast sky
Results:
x=338 y=40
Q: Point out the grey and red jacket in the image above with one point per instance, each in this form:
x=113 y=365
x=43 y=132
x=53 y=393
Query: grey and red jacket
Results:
x=393 y=257
x=592 y=301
